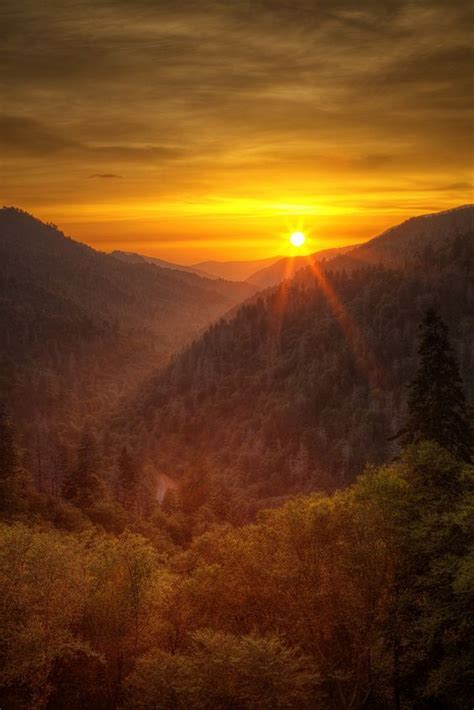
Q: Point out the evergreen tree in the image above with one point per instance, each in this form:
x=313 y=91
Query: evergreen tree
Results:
x=84 y=486
x=8 y=461
x=16 y=489
x=128 y=481
x=437 y=405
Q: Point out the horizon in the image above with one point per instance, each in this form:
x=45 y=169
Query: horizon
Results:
x=288 y=250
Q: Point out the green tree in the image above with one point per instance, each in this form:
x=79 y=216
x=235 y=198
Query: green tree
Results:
x=437 y=405
x=224 y=671
x=434 y=578
x=44 y=582
x=115 y=616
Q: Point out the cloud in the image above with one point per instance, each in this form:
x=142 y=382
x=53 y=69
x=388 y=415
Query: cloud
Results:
x=214 y=97
x=27 y=136
x=105 y=176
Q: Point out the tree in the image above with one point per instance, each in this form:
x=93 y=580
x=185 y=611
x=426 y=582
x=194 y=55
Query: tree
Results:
x=433 y=585
x=128 y=481
x=84 y=486
x=16 y=488
x=8 y=459
x=224 y=671
x=115 y=616
x=437 y=405
x=44 y=582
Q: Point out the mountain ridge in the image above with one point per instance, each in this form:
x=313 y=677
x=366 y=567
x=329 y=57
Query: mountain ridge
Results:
x=235 y=270
x=286 y=267
x=135 y=257
x=83 y=328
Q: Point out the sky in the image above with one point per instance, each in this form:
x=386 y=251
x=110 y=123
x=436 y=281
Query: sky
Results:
x=191 y=129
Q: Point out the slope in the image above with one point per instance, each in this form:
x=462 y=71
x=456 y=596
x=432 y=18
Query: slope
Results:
x=134 y=258
x=305 y=384
x=414 y=241
x=82 y=328
x=288 y=266
x=234 y=270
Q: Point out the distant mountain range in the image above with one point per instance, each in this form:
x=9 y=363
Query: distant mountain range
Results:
x=134 y=258
x=235 y=270
x=396 y=246
x=288 y=266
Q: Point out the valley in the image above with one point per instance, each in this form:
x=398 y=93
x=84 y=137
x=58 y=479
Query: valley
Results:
x=197 y=475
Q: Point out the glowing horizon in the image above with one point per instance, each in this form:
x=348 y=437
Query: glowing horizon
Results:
x=157 y=232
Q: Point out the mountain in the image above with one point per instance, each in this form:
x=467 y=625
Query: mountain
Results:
x=234 y=270
x=288 y=266
x=81 y=328
x=304 y=385
x=411 y=241
x=396 y=247
x=134 y=258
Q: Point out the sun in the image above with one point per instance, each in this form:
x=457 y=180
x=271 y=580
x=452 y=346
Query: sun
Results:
x=297 y=239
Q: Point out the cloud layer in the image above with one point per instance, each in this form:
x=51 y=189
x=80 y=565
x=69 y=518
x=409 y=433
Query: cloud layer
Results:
x=230 y=119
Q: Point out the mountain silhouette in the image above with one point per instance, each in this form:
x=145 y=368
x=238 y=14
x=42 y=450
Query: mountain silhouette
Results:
x=81 y=328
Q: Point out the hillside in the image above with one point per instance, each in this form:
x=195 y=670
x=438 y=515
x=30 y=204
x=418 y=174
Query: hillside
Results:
x=288 y=266
x=83 y=328
x=305 y=385
x=416 y=240
x=397 y=247
x=234 y=270
x=134 y=258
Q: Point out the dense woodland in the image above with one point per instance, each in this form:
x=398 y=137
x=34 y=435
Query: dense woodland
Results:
x=316 y=551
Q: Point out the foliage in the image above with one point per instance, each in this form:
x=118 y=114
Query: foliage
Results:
x=222 y=671
x=342 y=601
x=437 y=404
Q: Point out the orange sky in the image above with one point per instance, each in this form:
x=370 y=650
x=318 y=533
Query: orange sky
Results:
x=199 y=130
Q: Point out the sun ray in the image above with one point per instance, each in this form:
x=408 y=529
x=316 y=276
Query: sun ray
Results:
x=366 y=360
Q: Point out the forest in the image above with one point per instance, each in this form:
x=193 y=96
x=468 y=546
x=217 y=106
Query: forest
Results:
x=313 y=548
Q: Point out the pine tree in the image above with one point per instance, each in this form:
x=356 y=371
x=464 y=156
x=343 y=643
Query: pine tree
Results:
x=16 y=489
x=436 y=404
x=8 y=461
x=84 y=486
x=128 y=481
